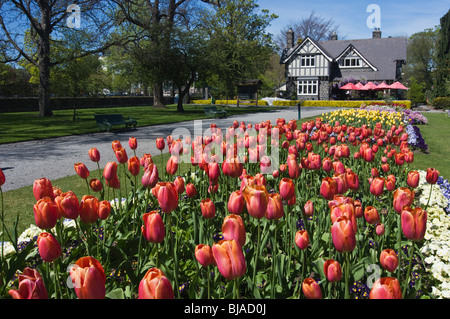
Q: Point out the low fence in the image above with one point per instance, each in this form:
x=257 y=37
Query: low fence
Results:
x=31 y=104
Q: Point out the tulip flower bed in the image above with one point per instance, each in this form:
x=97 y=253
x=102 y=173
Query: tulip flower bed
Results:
x=338 y=214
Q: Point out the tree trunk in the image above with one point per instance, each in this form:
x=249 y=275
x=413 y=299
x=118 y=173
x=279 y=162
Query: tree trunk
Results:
x=158 y=95
x=44 y=61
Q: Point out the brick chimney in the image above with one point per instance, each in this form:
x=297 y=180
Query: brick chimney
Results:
x=376 y=34
x=334 y=36
x=290 y=39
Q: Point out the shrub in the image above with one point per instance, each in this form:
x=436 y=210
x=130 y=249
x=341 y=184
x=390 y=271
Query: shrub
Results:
x=441 y=103
x=354 y=104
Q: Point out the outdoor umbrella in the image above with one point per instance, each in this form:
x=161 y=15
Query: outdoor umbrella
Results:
x=382 y=86
x=359 y=85
x=368 y=86
x=397 y=86
x=349 y=86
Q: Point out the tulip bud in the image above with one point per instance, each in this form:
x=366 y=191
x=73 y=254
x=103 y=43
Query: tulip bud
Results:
x=204 y=255
x=88 y=278
x=172 y=165
x=96 y=185
x=233 y=228
x=332 y=270
x=94 y=154
x=302 y=239
x=42 y=188
x=121 y=155
x=414 y=223
x=160 y=143
x=89 y=209
x=191 y=191
x=2 y=178
x=179 y=184
x=68 y=205
x=151 y=176
x=236 y=203
x=49 y=248
x=287 y=188
x=386 y=288
x=308 y=209
x=132 y=143
x=403 y=196
x=432 y=175
x=311 y=289
x=81 y=170
x=377 y=186
x=31 y=286
x=389 y=260
x=379 y=229
x=104 y=209
x=110 y=170
x=413 y=179
x=343 y=235
x=371 y=215
x=167 y=196
x=257 y=199
x=229 y=258
x=45 y=213
x=208 y=208
x=328 y=188
x=134 y=165
x=155 y=285
x=153 y=229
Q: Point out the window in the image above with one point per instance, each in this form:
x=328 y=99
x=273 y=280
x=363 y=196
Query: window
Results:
x=350 y=62
x=308 y=60
x=307 y=87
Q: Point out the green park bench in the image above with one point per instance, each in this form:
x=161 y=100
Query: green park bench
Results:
x=213 y=111
x=106 y=121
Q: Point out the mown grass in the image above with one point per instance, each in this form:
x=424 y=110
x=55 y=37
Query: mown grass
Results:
x=436 y=134
x=24 y=126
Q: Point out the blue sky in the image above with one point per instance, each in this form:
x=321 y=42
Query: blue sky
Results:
x=398 y=18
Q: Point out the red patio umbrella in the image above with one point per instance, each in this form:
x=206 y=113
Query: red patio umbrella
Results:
x=359 y=85
x=398 y=86
x=368 y=86
x=349 y=86
x=382 y=86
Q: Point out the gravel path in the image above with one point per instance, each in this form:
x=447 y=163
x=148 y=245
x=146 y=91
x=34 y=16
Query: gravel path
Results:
x=24 y=162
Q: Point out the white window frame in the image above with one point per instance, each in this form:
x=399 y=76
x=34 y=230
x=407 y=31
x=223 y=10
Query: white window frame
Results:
x=308 y=87
x=351 y=62
x=308 y=60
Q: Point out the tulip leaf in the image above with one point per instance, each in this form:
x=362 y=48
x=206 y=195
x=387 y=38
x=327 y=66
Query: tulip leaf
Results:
x=116 y=294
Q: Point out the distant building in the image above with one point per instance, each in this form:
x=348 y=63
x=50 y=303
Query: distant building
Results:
x=312 y=66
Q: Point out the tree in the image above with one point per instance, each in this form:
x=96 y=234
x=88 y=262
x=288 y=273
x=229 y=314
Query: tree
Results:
x=238 y=46
x=315 y=27
x=416 y=92
x=443 y=57
x=44 y=19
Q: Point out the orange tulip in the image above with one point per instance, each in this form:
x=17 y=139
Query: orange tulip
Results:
x=389 y=260
x=204 y=255
x=343 y=235
x=132 y=143
x=96 y=185
x=121 y=155
x=311 y=289
x=341 y=182
x=236 y=203
x=352 y=180
x=332 y=270
x=413 y=179
x=94 y=154
x=257 y=199
x=432 y=175
x=287 y=188
x=208 y=208
x=414 y=223
x=155 y=285
x=81 y=170
x=89 y=209
x=233 y=228
x=302 y=239
x=229 y=258
x=160 y=143
x=386 y=288
x=134 y=165
x=31 y=286
x=328 y=188
x=371 y=215
x=167 y=196
x=115 y=145
x=45 y=213
x=377 y=186
x=153 y=229
x=104 y=209
x=88 y=278
x=68 y=205
x=48 y=247
x=274 y=207
x=403 y=196
x=42 y=188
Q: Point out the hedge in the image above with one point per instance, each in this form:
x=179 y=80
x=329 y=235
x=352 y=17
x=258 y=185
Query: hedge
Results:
x=441 y=103
x=354 y=104
x=229 y=102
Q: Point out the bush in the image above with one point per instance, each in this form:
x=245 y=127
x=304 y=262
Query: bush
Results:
x=441 y=103
x=354 y=104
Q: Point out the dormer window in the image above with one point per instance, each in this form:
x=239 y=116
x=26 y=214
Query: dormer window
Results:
x=308 y=60
x=350 y=62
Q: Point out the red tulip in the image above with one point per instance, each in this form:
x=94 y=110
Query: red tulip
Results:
x=308 y=209
x=68 y=205
x=167 y=196
x=208 y=208
x=115 y=145
x=414 y=223
x=386 y=288
x=94 y=154
x=134 y=166
x=104 y=209
x=42 y=188
x=88 y=278
x=96 y=185
x=81 y=170
x=191 y=191
x=343 y=235
x=311 y=289
x=160 y=143
x=328 y=188
x=371 y=215
x=413 y=179
x=31 y=286
x=390 y=182
x=229 y=258
x=172 y=165
x=236 y=203
x=432 y=175
x=110 y=170
x=332 y=270
x=151 y=176
x=89 y=209
x=132 y=143
x=153 y=229
x=403 y=196
x=341 y=183
x=179 y=184
x=377 y=186
x=114 y=182
x=293 y=167
x=48 y=247
x=327 y=164
x=399 y=159
x=233 y=228
x=155 y=285
x=389 y=260
x=274 y=207
x=232 y=167
x=45 y=213
x=121 y=155
x=302 y=239
x=257 y=199
x=204 y=255
x=287 y=188
x=2 y=177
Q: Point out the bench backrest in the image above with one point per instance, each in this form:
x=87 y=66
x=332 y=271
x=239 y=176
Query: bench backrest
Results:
x=109 y=117
x=211 y=108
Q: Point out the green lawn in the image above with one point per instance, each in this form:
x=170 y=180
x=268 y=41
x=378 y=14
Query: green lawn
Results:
x=25 y=126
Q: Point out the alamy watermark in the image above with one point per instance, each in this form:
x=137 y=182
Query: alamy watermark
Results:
x=374 y=20
x=74 y=19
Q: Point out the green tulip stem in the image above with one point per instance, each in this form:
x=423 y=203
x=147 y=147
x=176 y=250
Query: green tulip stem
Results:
x=257 y=250
x=405 y=287
x=347 y=275
x=399 y=240
x=236 y=289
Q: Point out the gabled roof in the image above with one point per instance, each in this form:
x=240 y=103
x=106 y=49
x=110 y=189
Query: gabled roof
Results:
x=352 y=47
x=287 y=54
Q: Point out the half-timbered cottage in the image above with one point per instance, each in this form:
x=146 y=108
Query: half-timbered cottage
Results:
x=312 y=66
